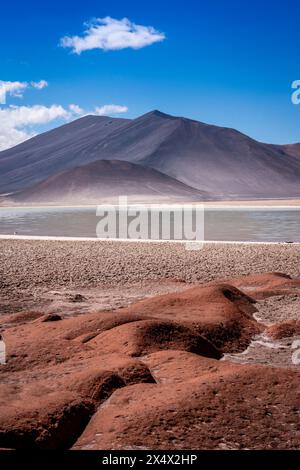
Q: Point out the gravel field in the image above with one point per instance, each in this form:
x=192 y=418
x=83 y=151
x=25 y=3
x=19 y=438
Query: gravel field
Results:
x=30 y=264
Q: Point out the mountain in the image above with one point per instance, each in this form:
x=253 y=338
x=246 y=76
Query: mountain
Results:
x=218 y=161
x=226 y=163
x=292 y=149
x=49 y=153
x=107 y=179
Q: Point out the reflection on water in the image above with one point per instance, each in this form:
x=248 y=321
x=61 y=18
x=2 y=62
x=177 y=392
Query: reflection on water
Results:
x=239 y=224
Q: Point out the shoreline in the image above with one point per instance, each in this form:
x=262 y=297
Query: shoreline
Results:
x=230 y=204
x=134 y=240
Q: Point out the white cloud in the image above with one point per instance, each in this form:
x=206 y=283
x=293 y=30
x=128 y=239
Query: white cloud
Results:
x=109 y=109
x=76 y=109
x=9 y=137
x=29 y=115
x=17 y=122
x=39 y=85
x=17 y=88
x=11 y=88
x=111 y=34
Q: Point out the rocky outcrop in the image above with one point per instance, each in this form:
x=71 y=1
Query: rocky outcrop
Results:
x=150 y=375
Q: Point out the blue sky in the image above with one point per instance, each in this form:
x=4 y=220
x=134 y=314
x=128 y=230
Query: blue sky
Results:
x=225 y=62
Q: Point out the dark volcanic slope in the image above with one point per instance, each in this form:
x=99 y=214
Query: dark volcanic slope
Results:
x=226 y=162
x=292 y=149
x=220 y=161
x=106 y=179
x=67 y=146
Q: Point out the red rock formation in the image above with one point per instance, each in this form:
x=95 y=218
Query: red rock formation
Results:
x=149 y=375
x=238 y=407
x=220 y=312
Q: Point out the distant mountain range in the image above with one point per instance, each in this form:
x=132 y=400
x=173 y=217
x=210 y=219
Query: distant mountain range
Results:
x=166 y=157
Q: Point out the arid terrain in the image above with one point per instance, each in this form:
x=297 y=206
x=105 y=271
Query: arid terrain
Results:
x=149 y=346
x=155 y=156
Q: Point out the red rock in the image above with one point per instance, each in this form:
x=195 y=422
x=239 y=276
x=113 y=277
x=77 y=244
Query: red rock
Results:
x=241 y=407
x=149 y=375
x=284 y=329
x=51 y=407
x=261 y=286
x=143 y=337
x=221 y=313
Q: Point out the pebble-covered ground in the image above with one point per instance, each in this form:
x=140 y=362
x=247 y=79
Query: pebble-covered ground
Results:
x=29 y=264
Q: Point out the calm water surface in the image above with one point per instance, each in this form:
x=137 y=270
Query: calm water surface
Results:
x=234 y=224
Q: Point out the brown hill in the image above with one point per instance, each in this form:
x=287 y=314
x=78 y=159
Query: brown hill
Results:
x=107 y=179
x=220 y=161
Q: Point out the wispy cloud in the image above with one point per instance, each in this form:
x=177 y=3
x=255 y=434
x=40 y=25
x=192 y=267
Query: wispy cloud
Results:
x=17 y=89
x=74 y=108
x=11 y=88
x=109 y=109
x=111 y=34
x=39 y=85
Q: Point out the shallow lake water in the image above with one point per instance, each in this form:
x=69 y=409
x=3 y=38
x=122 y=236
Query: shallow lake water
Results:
x=226 y=224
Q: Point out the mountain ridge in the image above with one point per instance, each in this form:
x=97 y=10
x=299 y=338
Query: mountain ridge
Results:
x=219 y=161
